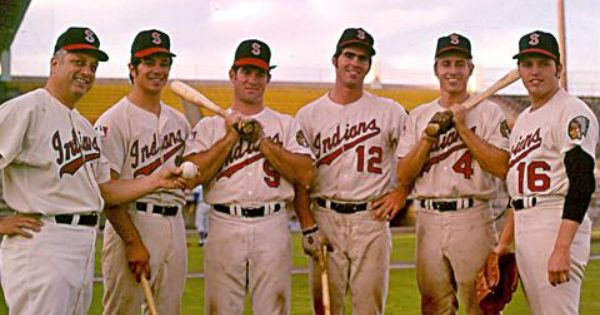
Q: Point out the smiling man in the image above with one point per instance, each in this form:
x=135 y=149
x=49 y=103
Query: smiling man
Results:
x=453 y=173
x=248 y=184
x=550 y=182
x=353 y=135
x=140 y=136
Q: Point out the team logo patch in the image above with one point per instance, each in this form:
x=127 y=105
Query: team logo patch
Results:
x=578 y=127
x=504 y=129
x=301 y=139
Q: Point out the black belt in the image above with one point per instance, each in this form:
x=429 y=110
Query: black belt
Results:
x=519 y=204
x=84 y=219
x=164 y=210
x=248 y=212
x=443 y=206
x=343 y=207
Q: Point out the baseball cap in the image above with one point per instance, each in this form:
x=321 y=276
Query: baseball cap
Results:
x=356 y=36
x=253 y=52
x=151 y=42
x=80 y=39
x=453 y=43
x=539 y=43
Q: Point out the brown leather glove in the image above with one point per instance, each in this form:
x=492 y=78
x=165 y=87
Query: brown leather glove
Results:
x=444 y=122
x=250 y=130
x=496 y=281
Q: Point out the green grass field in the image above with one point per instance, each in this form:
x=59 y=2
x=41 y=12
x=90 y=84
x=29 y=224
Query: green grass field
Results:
x=403 y=297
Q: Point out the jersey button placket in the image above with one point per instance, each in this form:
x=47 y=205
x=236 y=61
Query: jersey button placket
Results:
x=341 y=184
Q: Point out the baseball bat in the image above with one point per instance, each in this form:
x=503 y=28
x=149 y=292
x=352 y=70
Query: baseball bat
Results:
x=148 y=295
x=503 y=82
x=325 y=279
x=193 y=96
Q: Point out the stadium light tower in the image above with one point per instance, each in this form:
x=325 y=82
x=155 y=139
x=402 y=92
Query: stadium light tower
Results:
x=562 y=39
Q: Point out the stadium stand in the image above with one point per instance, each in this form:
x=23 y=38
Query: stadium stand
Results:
x=282 y=96
x=287 y=97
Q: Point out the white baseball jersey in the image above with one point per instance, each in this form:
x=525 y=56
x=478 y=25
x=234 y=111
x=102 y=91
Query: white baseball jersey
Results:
x=353 y=144
x=539 y=140
x=51 y=157
x=138 y=143
x=451 y=171
x=246 y=177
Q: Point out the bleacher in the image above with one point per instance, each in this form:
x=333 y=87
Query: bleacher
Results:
x=285 y=97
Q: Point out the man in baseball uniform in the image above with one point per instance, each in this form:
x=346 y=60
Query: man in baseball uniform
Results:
x=550 y=181
x=201 y=217
x=353 y=135
x=248 y=185
x=54 y=170
x=140 y=136
x=452 y=172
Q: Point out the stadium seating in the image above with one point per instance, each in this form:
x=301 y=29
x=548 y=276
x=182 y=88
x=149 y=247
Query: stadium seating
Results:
x=285 y=97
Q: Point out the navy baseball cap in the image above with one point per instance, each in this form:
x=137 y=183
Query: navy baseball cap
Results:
x=354 y=36
x=80 y=39
x=453 y=43
x=150 y=42
x=253 y=52
x=539 y=43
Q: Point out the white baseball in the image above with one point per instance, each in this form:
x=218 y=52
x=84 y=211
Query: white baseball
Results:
x=188 y=170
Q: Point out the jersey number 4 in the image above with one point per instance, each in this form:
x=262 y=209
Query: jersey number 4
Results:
x=463 y=165
x=375 y=156
x=537 y=180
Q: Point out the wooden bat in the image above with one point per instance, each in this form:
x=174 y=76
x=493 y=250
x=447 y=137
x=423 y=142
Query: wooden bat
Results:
x=193 y=96
x=188 y=93
x=148 y=295
x=325 y=280
x=503 y=82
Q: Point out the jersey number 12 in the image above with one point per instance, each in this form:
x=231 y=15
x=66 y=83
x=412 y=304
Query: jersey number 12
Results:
x=375 y=156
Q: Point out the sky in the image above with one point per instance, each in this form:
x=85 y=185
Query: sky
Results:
x=302 y=34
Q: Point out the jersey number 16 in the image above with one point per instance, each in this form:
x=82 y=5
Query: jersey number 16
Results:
x=537 y=180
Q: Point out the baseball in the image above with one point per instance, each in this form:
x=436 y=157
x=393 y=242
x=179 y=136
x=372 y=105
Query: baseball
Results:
x=188 y=170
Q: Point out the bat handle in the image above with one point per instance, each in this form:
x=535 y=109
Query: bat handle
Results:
x=325 y=279
x=149 y=296
x=432 y=129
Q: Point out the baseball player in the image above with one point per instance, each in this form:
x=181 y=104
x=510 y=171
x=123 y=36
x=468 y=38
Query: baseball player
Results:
x=201 y=218
x=248 y=183
x=452 y=172
x=140 y=136
x=550 y=181
x=353 y=135
x=54 y=170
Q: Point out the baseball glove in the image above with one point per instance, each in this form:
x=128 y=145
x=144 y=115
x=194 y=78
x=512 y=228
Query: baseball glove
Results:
x=443 y=120
x=250 y=130
x=496 y=281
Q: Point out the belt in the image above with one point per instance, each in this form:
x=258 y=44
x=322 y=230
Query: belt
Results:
x=447 y=205
x=248 y=212
x=87 y=219
x=77 y=219
x=342 y=207
x=520 y=204
x=167 y=211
